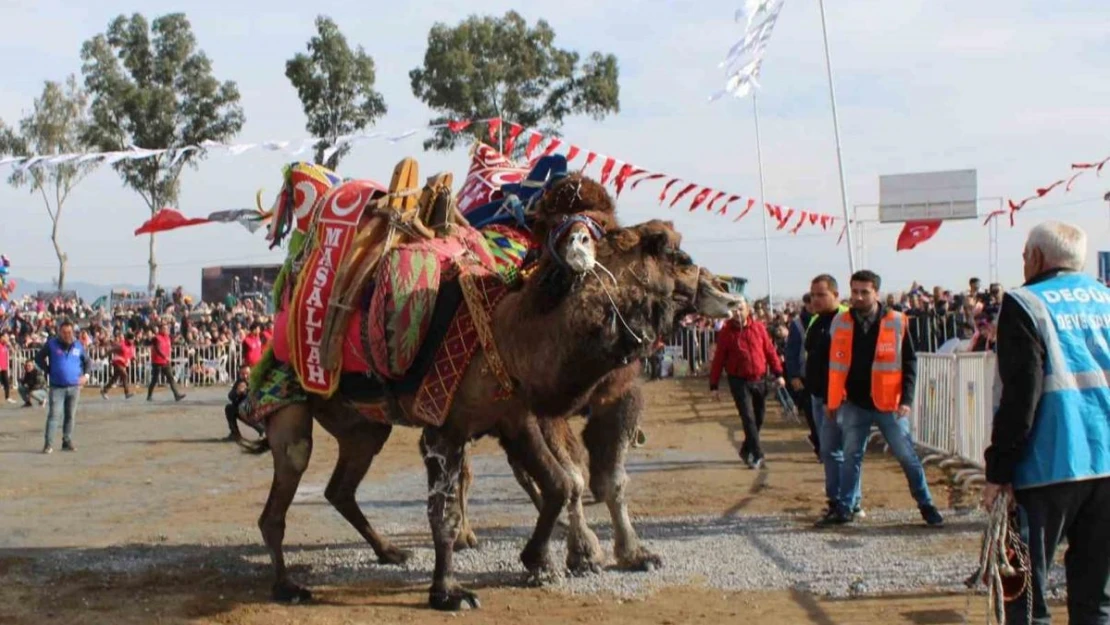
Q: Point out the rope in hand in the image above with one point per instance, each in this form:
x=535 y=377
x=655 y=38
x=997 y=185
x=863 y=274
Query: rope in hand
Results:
x=1000 y=550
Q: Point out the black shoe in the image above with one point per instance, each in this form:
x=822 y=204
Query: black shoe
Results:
x=932 y=516
x=756 y=463
x=834 y=518
x=128 y=395
x=179 y=397
x=26 y=404
x=68 y=447
x=746 y=458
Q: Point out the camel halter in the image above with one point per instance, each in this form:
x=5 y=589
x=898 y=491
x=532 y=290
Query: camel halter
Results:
x=560 y=230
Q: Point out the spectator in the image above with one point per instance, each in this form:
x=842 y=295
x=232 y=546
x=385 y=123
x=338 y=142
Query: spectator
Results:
x=65 y=359
x=5 y=366
x=160 y=364
x=122 y=354
x=235 y=398
x=795 y=369
x=252 y=346
x=745 y=353
x=31 y=385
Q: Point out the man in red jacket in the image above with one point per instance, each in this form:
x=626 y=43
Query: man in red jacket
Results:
x=745 y=353
x=160 y=364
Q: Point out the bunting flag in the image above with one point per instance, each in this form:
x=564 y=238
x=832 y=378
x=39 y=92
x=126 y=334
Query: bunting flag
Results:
x=745 y=58
x=514 y=132
x=1068 y=184
x=489 y=170
x=170 y=219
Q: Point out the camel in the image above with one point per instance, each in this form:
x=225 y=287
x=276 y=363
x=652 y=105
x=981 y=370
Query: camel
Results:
x=557 y=348
x=615 y=413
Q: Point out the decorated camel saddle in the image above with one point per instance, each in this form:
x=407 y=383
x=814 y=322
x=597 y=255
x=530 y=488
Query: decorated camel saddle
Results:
x=393 y=289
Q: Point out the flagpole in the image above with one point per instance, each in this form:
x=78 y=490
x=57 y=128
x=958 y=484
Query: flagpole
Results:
x=762 y=206
x=836 y=134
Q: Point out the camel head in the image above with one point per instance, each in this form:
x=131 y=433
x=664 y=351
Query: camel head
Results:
x=570 y=218
x=700 y=292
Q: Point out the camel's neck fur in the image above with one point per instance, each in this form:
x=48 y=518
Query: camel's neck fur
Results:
x=559 y=345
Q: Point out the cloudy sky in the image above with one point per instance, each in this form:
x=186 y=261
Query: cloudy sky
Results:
x=1013 y=88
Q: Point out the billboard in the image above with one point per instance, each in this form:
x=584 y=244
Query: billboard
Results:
x=216 y=283
x=928 y=195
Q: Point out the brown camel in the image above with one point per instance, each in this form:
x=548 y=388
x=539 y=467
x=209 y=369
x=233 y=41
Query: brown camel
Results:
x=615 y=411
x=556 y=349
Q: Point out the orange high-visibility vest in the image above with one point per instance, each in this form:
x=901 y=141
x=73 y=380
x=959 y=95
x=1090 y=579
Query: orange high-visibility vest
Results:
x=886 y=371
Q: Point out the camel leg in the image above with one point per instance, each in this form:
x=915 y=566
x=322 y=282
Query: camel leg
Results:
x=609 y=432
x=584 y=554
x=466 y=538
x=443 y=458
x=530 y=450
x=289 y=432
x=357 y=449
x=529 y=485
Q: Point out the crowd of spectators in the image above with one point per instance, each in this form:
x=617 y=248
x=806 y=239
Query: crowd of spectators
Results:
x=201 y=332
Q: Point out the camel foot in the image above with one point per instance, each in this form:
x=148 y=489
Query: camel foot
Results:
x=288 y=592
x=639 y=559
x=585 y=558
x=391 y=554
x=466 y=540
x=452 y=599
x=541 y=569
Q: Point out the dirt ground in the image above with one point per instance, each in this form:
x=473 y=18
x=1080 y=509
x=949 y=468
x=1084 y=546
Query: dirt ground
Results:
x=157 y=476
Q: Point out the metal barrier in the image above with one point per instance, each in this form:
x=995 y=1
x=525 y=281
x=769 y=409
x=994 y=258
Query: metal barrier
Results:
x=191 y=365
x=953 y=409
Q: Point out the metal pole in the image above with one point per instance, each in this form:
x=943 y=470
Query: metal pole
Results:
x=762 y=206
x=836 y=134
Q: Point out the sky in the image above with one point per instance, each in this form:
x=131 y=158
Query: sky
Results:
x=1015 y=89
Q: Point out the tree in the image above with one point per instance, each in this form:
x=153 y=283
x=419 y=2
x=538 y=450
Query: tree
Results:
x=500 y=67
x=336 y=87
x=56 y=125
x=153 y=88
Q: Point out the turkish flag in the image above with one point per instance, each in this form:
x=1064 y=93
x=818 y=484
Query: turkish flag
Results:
x=168 y=219
x=915 y=232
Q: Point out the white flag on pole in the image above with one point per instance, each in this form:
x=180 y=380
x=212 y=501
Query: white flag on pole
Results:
x=745 y=58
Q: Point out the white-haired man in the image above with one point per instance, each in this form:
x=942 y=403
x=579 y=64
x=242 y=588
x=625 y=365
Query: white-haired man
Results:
x=1050 y=445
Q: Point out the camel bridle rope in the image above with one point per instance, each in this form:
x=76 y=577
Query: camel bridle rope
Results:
x=1002 y=543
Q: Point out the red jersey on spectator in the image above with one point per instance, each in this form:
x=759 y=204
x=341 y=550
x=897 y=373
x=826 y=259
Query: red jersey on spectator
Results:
x=252 y=350
x=744 y=352
x=124 y=354
x=267 y=336
x=160 y=350
x=4 y=356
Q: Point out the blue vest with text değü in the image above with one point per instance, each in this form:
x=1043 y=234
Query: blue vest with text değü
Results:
x=1070 y=439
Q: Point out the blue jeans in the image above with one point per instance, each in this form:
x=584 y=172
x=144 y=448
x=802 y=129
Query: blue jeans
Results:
x=832 y=454
x=856 y=424
x=62 y=400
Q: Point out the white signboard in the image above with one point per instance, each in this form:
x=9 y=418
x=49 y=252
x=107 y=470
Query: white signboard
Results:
x=928 y=195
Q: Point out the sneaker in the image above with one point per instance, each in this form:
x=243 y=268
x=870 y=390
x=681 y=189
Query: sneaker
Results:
x=48 y=450
x=179 y=397
x=757 y=463
x=68 y=447
x=932 y=516
x=859 y=513
x=103 y=394
x=746 y=458
x=128 y=395
x=26 y=404
x=10 y=400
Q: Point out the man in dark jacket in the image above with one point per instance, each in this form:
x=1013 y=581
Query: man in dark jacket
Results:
x=67 y=364
x=745 y=353
x=235 y=397
x=1050 y=444
x=795 y=369
x=825 y=302
x=31 y=385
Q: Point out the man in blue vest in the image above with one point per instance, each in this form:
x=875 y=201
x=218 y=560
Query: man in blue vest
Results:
x=66 y=364
x=1050 y=445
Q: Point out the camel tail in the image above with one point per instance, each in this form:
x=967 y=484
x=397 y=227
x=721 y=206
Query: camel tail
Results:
x=255 y=448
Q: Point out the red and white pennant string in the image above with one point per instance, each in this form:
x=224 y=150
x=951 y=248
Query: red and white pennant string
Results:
x=1067 y=183
x=622 y=174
